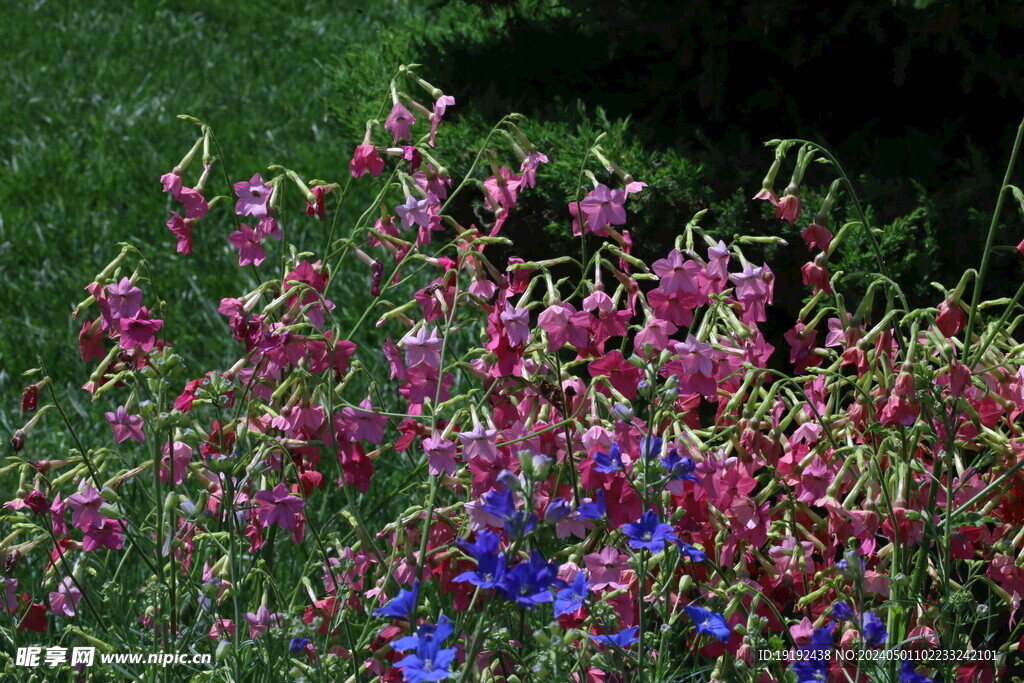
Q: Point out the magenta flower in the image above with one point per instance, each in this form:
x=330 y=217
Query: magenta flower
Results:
x=440 y=455
x=622 y=374
x=182 y=230
x=529 y=167
x=423 y=346
x=278 y=507
x=139 y=331
x=65 y=599
x=399 y=121
x=85 y=508
x=178 y=463
x=195 y=205
x=366 y=158
x=125 y=426
x=253 y=197
x=415 y=211
x=605 y=569
x=363 y=424
x=676 y=273
x=250 y=251
x=106 y=535
x=788 y=208
x=124 y=299
x=172 y=183
x=517 y=324
x=479 y=443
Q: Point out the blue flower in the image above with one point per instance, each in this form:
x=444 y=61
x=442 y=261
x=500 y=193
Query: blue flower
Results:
x=595 y=510
x=650 y=446
x=520 y=524
x=529 y=583
x=909 y=675
x=490 y=564
x=709 y=623
x=558 y=509
x=812 y=665
x=695 y=554
x=648 y=533
x=401 y=606
x=297 y=645
x=609 y=462
x=842 y=611
x=622 y=639
x=501 y=505
x=679 y=467
x=873 y=629
x=429 y=662
x=571 y=599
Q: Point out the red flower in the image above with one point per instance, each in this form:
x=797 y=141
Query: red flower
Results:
x=621 y=373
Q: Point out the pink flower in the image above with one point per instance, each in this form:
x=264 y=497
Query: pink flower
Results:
x=766 y=194
x=788 y=208
x=801 y=341
x=253 y=197
x=817 y=236
x=181 y=228
x=479 y=443
x=440 y=105
x=529 y=168
x=951 y=319
x=65 y=599
x=606 y=568
x=440 y=455
x=125 y=426
x=178 y=463
x=399 y=121
x=260 y=622
x=601 y=208
x=139 y=331
x=366 y=158
x=676 y=273
x=503 y=189
x=815 y=274
x=195 y=205
x=85 y=507
x=317 y=208
x=250 y=251
x=172 y=183
x=124 y=299
x=278 y=507
x=415 y=211
x=517 y=324
x=423 y=346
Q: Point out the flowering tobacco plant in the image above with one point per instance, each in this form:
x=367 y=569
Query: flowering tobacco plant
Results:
x=501 y=469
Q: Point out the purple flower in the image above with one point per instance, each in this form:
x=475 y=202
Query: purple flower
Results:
x=648 y=533
x=124 y=299
x=278 y=507
x=423 y=346
x=558 y=509
x=297 y=645
x=65 y=599
x=680 y=467
x=909 y=675
x=709 y=623
x=622 y=639
x=261 y=621
x=429 y=662
x=691 y=552
x=842 y=611
x=595 y=509
x=252 y=197
x=125 y=426
x=529 y=583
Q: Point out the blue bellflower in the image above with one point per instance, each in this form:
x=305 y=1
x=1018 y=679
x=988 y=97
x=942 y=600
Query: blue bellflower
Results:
x=679 y=467
x=842 y=611
x=570 y=599
x=596 y=509
x=873 y=629
x=490 y=564
x=429 y=662
x=558 y=509
x=401 y=606
x=650 y=446
x=648 y=533
x=609 y=462
x=622 y=639
x=709 y=623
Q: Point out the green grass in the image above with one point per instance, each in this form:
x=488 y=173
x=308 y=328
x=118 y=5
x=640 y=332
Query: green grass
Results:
x=88 y=99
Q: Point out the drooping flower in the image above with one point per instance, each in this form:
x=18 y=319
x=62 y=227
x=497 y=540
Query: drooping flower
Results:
x=440 y=105
x=709 y=623
x=181 y=228
x=279 y=507
x=399 y=121
x=250 y=251
x=125 y=426
x=366 y=158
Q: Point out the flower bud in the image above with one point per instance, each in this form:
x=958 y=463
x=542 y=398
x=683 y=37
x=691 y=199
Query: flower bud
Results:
x=623 y=412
